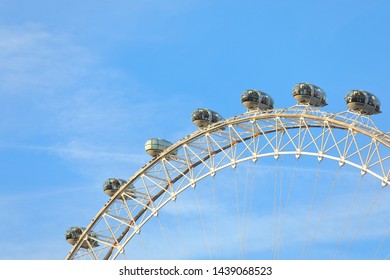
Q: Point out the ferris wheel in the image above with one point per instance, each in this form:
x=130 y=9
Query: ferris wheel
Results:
x=230 y=146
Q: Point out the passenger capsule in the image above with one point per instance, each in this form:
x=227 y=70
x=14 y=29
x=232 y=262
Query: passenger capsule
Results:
x=204 y=117
x=309 y=94
x=112 y=185
x=156 y=146
x=254 y=99
x=363 y=102
x=73 y=234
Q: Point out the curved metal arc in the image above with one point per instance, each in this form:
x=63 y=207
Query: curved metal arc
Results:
x=154 y=198
x=191 y=137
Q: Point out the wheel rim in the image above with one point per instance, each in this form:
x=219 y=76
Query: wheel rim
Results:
x=247 y=137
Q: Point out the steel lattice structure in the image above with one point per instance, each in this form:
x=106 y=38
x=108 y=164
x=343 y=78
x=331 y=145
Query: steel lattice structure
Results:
x=348 y=137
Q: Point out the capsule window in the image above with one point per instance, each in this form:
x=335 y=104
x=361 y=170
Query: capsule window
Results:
x=358 y=97
x=319 y=93
x=200 y=115
x=215 y=117
x=250 y=95
x=370 y=100
x=305 y=90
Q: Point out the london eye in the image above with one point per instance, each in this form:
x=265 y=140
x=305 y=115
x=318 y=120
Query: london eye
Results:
x=348 y=142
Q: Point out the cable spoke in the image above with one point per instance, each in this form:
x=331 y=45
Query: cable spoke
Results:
x=215 y=216
x=347 y=220
x=239 y=220
x=382 y=243
x=205 y=233
x=249 y=215
x=323 y=212
x=285 y=209
x=362 y=223
x=310 y=212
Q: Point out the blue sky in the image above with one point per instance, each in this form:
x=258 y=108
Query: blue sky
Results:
x=83 y=84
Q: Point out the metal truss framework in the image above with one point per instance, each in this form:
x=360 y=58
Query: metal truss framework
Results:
x=346 y=137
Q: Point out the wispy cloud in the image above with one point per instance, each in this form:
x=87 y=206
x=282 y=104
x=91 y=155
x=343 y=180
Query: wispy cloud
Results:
x=58 y=91
x=38 y=61
x=84 y=152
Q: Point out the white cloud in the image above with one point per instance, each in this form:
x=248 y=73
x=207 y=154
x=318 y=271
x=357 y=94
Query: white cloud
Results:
x=34 y=61
x=58 y=91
